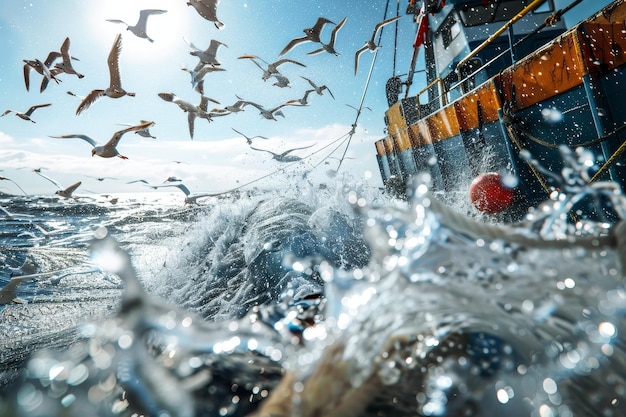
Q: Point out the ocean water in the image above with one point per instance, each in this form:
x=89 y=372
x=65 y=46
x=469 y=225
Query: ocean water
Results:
x=310 y=301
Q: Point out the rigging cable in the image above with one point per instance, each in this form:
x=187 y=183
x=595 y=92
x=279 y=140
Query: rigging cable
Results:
x=367 y=82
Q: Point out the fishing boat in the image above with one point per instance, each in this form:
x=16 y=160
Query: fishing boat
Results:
x=507 y=86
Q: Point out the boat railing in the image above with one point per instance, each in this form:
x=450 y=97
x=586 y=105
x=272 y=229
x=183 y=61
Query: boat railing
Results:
x=442 y=96
x=532 y=6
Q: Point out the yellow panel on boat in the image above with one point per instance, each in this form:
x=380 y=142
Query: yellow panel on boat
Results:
x=380 y=147
x=552 y=70
x=603 y=44
x=443 y=124
x=467 y=106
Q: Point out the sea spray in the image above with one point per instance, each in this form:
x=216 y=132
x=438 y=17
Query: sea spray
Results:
x=448 y=316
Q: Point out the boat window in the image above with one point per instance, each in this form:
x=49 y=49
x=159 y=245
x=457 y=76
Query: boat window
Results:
x=479 y=12
x=449 y=31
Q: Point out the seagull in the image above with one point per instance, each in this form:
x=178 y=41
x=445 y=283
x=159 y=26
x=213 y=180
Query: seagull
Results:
x=198 y=74
x=108 y=150
x=284 y=157
x=310 y=35
x=139 y=29
x=192 y=110
x=271 y=68
x=208 y=10
x=247 y=138
x=330 y=46
x=319 y=89
x=281 y=81
x=66 y=63
x=270 y=114
x=115 y=89
x=144 y=133
x=304 y=101
x=208 y=56
x=189 y=197
x=63 y=192
x=15 y=216
x=371 y=43
x=233 y=108
x=16 y=184
x=42 y=68
x=102 y=178
x=26 y=115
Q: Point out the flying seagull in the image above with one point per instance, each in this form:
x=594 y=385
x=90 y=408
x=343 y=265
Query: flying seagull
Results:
x=208 y=10
x=42 y=68
x=247 y=138
x=330 y=46
x=272 y=113
x=16 y=184
x=109 y=149
x=63 y=192
x=207 y=56
x=66 y=64
x=26 y=115
x=272 y=68
x=284 y=157
x=139 y=29
x=310 y=35
x=114 y=90
x=371 y=43
x=192 y=110
x=190 y=198
x=319 y=89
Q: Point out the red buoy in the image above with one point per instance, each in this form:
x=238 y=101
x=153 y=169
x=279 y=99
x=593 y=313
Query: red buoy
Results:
x=489 y=195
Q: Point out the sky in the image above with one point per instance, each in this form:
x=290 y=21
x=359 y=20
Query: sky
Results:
x=217 y=159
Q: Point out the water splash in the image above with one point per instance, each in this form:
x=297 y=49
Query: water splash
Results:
x=450 y=316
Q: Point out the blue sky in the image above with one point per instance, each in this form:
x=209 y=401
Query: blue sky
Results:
x=217 y=159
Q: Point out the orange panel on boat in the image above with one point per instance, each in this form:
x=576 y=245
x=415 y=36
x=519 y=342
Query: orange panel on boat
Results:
x=388 y=142
x=603 y=45
x=550 y=71
x=402 y=141
x=423 y=133
x=467 y=106
x=443 y=124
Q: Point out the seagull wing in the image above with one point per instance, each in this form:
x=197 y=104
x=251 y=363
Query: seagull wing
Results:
x=295 y=149
x=263 y=150
x=69 y=190
x=117 y=21
x=52 y=56
x=114 y=62
x=49 y=179
x=333 y=34
x=27 y=69
x=83 y=137
x=380 y=25
x=89 y=100
x=357 y=55
x=143 y=17
x=284 y=60
x=293 y=43
x=112 y=143
x=213 y=46
x=35 y=107
x=321 y=21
